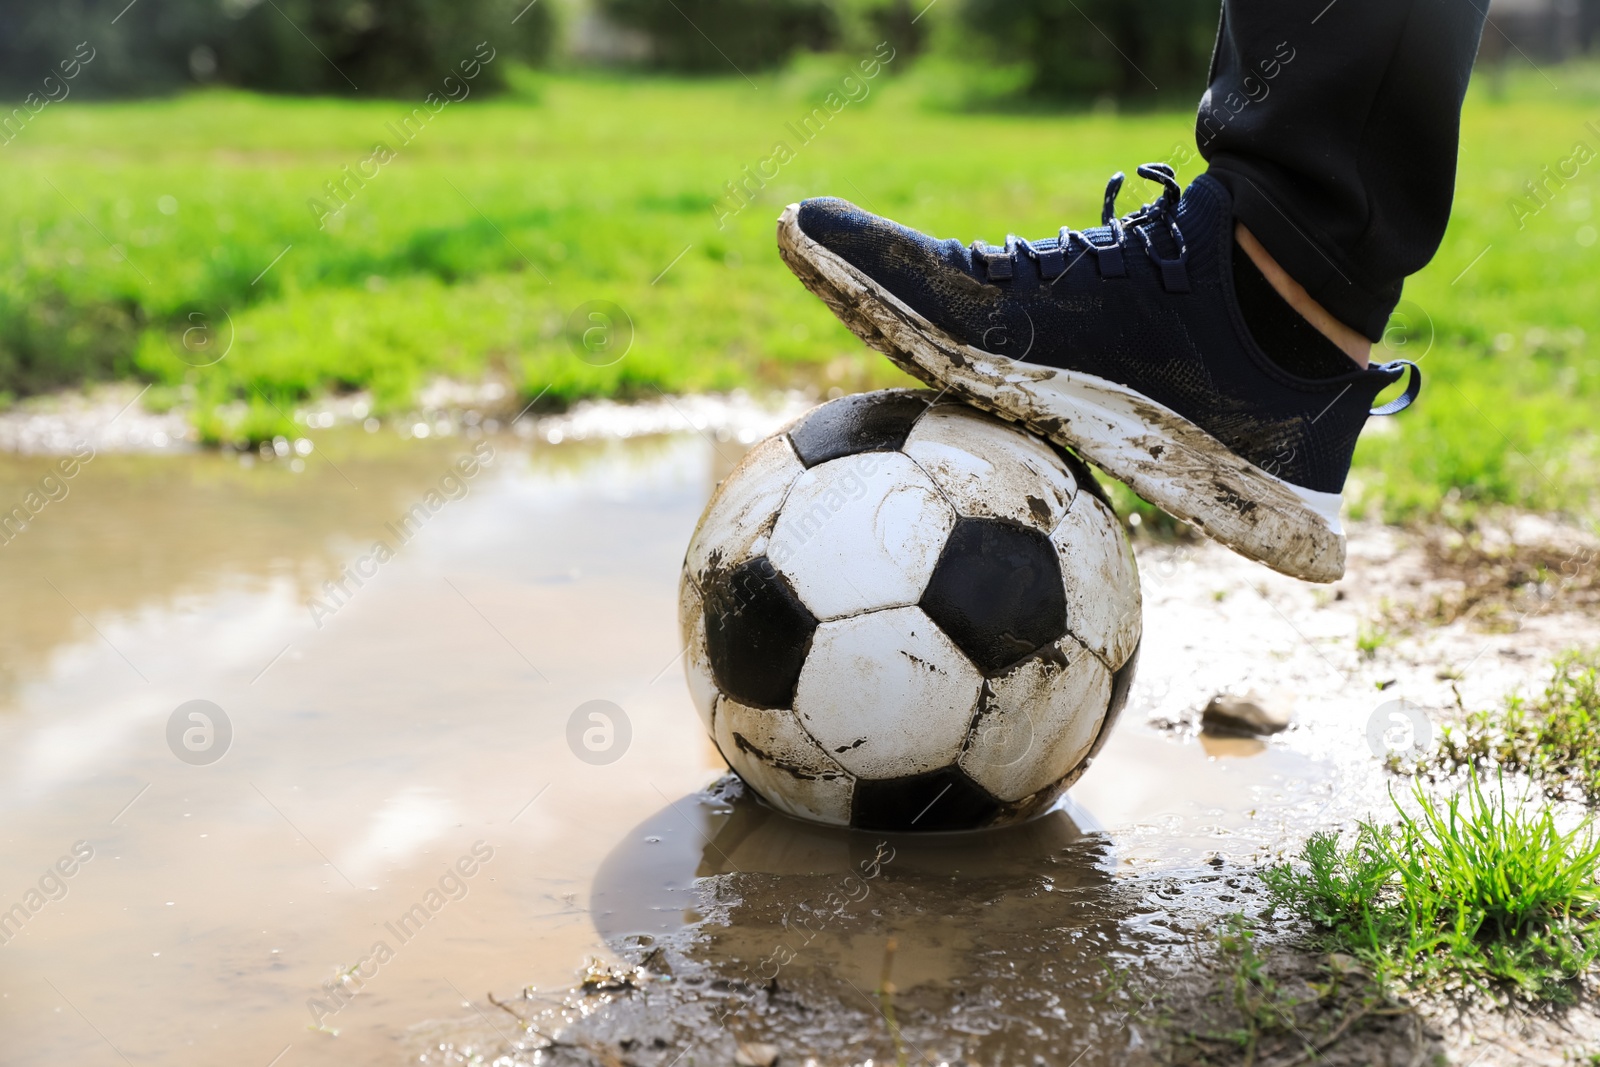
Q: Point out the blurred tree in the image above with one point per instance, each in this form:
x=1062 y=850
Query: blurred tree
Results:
x=711 y=35
x=1080 y=49
x=897 y=22
x=383 y=47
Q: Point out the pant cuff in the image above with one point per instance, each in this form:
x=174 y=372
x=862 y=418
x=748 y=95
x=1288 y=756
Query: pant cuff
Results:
x=1315 y=264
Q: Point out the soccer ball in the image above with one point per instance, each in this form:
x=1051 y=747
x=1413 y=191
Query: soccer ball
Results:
x=905 y=614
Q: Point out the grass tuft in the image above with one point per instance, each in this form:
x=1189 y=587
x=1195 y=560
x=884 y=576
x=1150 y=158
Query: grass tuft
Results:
x=1269 y=1003
x=1371 y=638
x=1249 y=985
x=1479 y=890
x=1553 y=738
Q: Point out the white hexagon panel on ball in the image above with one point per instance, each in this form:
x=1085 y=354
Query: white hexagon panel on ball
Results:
x=887 y=694
x=774 y=754
x=696 y=661
x=988 y=468
x=860 y=533
x=1104 y=606
x=1038 y=720
x=739 y=517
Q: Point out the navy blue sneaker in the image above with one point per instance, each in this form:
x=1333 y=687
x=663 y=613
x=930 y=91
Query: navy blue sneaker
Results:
x=1125 y=343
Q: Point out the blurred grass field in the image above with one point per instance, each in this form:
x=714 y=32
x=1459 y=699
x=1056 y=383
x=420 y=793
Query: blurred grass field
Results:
x=466 y=253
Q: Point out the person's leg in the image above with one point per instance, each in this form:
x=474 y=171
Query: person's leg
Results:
x=1210 y=349
x=1334 y=127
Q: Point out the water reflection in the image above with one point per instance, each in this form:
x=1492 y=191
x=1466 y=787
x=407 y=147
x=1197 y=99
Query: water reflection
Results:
x=725 y=831
x=787 y=928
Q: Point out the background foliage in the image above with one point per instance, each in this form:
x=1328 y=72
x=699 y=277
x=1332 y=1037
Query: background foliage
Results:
x=1079 y=49
x=748 y=34
x=1062 y=49
x=340 y=47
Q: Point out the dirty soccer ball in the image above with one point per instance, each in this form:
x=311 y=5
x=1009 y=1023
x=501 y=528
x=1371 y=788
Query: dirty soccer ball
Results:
x=909 y=617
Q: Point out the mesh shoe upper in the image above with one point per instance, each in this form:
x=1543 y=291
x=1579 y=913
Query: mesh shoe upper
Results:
x=1146 y=301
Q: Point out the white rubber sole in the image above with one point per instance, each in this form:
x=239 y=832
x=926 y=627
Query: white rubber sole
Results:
x=1156 y=452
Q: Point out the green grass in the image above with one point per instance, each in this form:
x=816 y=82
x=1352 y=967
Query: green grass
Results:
x=1260 y=1004
x=466 y=254
x=1479 y=890
x=1553 y=737
x=1265 y=1010
x=1372 y=638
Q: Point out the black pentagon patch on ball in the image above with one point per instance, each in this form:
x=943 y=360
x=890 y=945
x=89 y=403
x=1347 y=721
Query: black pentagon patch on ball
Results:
x=945 y=799
x=997 y=592
x=757 y=634
x=1121 y=682
x=865 y=422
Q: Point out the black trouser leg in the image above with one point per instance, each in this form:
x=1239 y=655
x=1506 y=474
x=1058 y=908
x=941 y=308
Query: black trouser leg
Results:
x=1335 y=128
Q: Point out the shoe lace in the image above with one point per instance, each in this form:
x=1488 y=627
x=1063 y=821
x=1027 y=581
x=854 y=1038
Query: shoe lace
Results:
x=1055 y=256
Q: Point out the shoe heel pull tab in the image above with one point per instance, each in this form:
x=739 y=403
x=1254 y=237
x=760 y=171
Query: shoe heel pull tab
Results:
x=1413 y=387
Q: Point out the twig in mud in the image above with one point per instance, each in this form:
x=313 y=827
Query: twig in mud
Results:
x=886 y=994
x=1317 y=1048
x=551 y=1042
x=503 y=1006
x=594 y=1048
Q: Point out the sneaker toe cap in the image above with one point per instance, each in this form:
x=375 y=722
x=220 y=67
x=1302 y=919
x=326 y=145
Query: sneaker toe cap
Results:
x=831 y=222
x=898 y=257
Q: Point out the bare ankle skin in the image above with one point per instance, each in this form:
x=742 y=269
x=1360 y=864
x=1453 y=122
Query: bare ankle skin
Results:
x=1352 y=343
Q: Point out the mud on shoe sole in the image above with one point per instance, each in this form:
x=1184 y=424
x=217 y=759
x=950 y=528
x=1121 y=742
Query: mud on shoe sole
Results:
x=1156 y=452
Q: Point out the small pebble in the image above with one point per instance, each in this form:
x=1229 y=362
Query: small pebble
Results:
x=756 y=1054
x=1246 y=713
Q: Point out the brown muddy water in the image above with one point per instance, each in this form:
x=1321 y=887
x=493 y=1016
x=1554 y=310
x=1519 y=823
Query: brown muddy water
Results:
x=393 y=797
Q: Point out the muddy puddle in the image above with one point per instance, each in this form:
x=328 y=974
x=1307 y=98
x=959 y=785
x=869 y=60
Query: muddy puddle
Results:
x=378 y=822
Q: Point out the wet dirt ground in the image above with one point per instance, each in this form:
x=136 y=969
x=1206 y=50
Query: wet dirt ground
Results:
x=304 y=897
